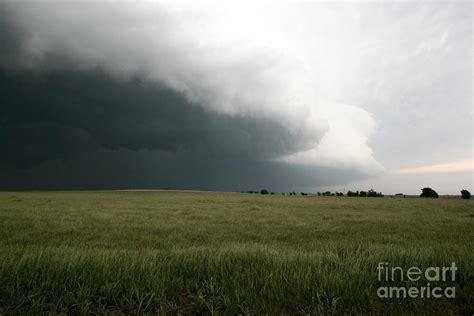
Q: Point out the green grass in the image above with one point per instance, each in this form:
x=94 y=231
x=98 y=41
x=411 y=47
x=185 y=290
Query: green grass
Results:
x=225 y=253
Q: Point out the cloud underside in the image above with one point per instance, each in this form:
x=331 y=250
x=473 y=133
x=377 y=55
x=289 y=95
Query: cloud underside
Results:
x=92 y=100
x=84 y=129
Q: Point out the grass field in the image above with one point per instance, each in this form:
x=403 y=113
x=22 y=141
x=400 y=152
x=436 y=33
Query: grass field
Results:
x=226 y=253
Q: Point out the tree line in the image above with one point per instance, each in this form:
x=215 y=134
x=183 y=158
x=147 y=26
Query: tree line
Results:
x=425 y=193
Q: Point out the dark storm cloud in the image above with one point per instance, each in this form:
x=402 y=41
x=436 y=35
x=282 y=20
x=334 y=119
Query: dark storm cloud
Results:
x=184 y=169
x=55 y=115
x=85 y=129
x=11 y=37
x=64 y=125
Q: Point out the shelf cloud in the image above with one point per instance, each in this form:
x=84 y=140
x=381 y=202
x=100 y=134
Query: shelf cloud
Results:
x=218 y=86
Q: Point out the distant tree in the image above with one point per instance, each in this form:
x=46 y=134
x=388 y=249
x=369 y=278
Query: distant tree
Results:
x=428 y=193
x=327 y=193
x=294 y=193
x=319 y=193
x=351 y=193
x=379 y=194
x=362 y=194
x=400 y=195
x=465 y=194
x=273 y=193
x=264 y=191
x=371 y=193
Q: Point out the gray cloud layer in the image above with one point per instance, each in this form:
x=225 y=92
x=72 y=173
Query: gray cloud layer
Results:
x=191 y=51
x=85 y=129
x=54 y=115
x=228 y=96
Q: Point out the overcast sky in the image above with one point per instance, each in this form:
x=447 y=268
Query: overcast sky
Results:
x=287 y=96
